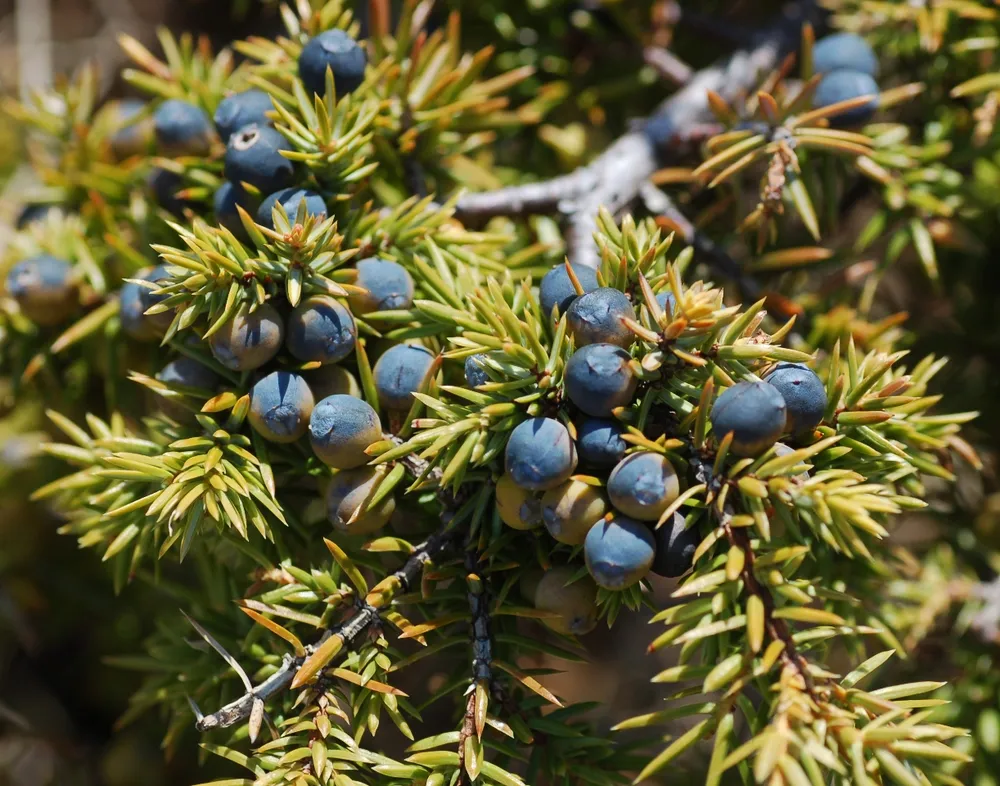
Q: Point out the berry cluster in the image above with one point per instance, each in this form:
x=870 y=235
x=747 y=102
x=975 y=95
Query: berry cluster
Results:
x=847 y=67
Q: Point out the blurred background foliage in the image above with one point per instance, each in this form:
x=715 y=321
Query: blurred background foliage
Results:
x=59 y=697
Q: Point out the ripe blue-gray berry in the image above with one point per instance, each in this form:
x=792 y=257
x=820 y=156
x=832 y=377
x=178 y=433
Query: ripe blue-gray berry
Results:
x=619 y=552
x=643 y=485
x=599 y=442
x=556 y=288
x=804 y=394
x=187 y=372
x=290 y=199
x=136 y=299
x=249 y=340
x=754 y=412
x=540 y=454
x=667 y=302
x=336 y=50
x=518 y=508
x=240 y=110
x=253 y=156
x=182 y=129
x=321 y=329
x=838 y=86
x=134 y=136
x=348 y=497
x=224 y=202
x=387 y=286
x=475 y=374
x=280 y=406
x=575 y=603
x=570 y=509
x=844 y=51
x=330 y=380
x=596 y=318
x=675 y=547
x=45 y=289
x=164 y=186
x=342 y=427
x=599 y=379
x=399 y=373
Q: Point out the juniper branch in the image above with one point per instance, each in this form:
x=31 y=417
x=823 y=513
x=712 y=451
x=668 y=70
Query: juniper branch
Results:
x=613 y=179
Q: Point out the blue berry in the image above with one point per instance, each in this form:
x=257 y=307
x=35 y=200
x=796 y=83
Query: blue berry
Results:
x=596 y=318
x=321 y=329
x=599 y=379
x=838 y=86
x=518 y=508
x=253 y=156
x=187 y=372
x=336 y=50
x=342 y=427
x=133 y=137
x=667 y=302
x=570 y=509
x=643 y=486
x=227 y=197
x=600 y=442
x=31 y=214
x=165 y=186
x=844 y=51
x=399 y=373
x=249 y=340
x=280 y=406
x=475 y=374
x=349 y=493
x=45 y=289
x=136 y=299
x=804 y=394
x=332 y=379
x=754 y=412
x=540 y=454
x=387 y=286
x=675 y=547
x=575 y=603
x=619 y=552
x=290 y=199
x=240 y=110
x=556 y=288
x=182 y=129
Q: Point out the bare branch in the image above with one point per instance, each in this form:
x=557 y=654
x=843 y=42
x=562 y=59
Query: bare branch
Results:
x=613 y=179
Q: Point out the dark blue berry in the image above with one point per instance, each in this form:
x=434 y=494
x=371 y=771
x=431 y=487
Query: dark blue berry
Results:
x=336 y=50
x=240 y=110
x=804 y=394
x=182 y=129
x=253 y=156
x=248 y=341
x=755 y=414
x=540 y=454
x=387 y=286
x=600 y=442
x=619 y=552
x=643 y=485
x=45 y=289
x=134 y=136
x=227 y=197
x=31 y=214
x=136 y=299
x=844 y=51
x=475 y=374
x=321 y=329
x=556 y=288
x=280 y=406
x=342 y=427
x=399 y=373
x=187 y=372
x=290 y=199
x=675 y=547
x=838 y=86
x=596 y=318
x=599 y=379
x=667 y=302
x=165 y=186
